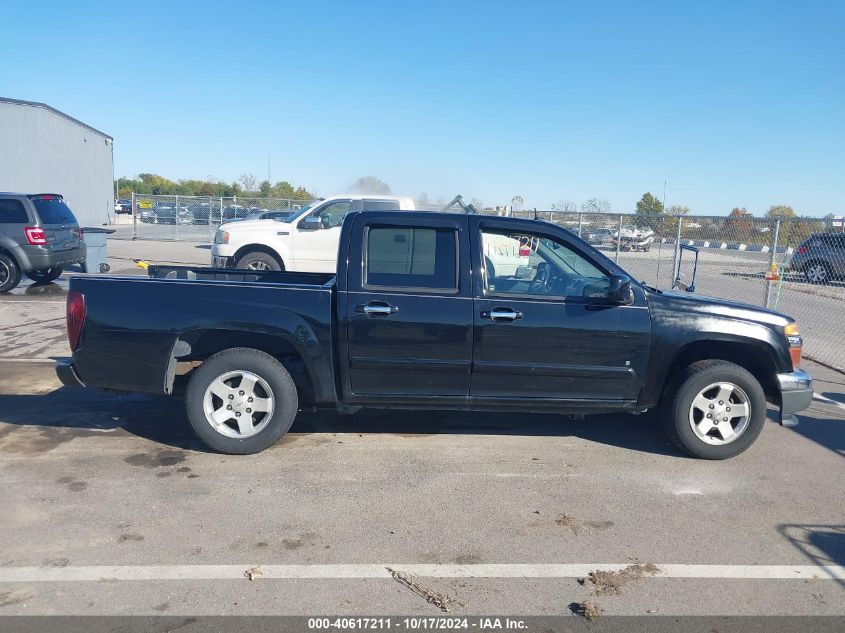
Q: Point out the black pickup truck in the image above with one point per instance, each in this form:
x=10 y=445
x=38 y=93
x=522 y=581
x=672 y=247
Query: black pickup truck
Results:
x=432 y=310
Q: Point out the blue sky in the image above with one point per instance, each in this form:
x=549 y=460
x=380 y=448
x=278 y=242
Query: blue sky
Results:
x=732 y=103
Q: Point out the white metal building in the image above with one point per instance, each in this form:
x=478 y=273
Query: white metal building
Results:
x=43 y=150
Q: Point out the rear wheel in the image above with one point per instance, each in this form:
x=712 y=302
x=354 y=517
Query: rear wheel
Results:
x=241 y=401
x=45 y=275
x=10 y=274
x=258 y=260
x=817 y=273
x=715 y=410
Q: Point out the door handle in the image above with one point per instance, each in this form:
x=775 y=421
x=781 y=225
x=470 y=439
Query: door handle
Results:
x=502 y=315
x=377 y=309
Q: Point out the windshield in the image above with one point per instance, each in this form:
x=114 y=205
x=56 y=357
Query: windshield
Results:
x=53 y=210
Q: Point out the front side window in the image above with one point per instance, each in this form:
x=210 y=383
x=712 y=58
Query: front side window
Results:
x=12 y=212
x=522 y=263
x=332 y=214
x=412 y=257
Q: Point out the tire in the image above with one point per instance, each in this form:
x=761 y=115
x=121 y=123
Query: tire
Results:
x=223 y=373
x=10 y=274
x=258 y=260
x=818 y=272
x=45 y=275
x=693 y=393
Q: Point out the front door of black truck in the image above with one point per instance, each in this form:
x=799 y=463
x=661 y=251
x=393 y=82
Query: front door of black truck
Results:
x=409 y=307
x=543 y=325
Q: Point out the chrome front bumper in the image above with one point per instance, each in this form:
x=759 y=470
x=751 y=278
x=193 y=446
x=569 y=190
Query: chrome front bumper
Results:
x=796 y=394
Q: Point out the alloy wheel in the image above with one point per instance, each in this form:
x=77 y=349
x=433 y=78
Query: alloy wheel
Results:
x=238 y=404
x=720 y=413
x=817 y=273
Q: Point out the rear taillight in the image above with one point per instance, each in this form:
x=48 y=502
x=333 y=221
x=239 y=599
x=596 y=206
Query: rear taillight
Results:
x=801 y=249
x=75 y=317
x=79 y=232
x=35 y=235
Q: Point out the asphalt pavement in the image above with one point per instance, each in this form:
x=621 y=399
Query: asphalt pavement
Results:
x=110 y=506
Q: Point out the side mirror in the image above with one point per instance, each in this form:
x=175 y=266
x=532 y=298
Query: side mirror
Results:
x=311 y=223
x=619 y=290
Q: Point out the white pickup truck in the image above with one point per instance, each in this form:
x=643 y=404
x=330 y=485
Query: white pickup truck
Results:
x=305 y=241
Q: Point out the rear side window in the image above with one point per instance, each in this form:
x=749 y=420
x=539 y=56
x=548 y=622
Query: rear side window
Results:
x=13 y=212
x=381 y=205
x=412 y=257
x=53 y=210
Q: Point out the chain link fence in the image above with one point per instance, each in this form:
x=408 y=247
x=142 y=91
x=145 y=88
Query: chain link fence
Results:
x=791 y=265
x=196 y=218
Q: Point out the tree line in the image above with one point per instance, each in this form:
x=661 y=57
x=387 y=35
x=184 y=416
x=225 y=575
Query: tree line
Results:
x=247 y=185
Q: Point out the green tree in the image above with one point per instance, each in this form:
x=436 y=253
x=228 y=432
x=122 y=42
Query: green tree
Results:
x=780 y=211
x=302 y=194
x=649 y=205
x=265 y=188
x=793 y=230
x=738 y=226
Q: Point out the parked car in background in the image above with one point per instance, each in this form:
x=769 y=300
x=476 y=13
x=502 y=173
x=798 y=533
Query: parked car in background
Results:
x=123 y=206
x=597 y=237
x=821 y=257
x=633 y=239
x=307 y=240
x=234 y=212
x=413 y=317
x=39 y=236
x=204 y=213
x=167 y=213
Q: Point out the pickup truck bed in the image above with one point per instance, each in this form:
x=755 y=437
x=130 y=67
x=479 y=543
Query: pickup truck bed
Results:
x=133 y=344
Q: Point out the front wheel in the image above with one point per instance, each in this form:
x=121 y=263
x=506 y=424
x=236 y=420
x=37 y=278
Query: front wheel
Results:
x=715 y=410
x=241 y=401
x=259 y=260
x=45 y=275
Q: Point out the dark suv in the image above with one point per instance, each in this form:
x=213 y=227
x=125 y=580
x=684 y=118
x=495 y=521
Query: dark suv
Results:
x=39 y=236
x=821 y=257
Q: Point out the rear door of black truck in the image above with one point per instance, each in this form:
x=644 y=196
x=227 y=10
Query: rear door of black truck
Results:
x=408 y=310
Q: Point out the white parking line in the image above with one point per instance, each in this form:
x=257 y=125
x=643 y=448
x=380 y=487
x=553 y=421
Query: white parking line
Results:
x=353 y=571
x=27 y=360
x=827 y=400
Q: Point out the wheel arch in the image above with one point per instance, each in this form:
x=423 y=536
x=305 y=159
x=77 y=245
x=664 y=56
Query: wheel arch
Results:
x=9 y=252
x=263 y=248
x=196 y=346
x=752 y=356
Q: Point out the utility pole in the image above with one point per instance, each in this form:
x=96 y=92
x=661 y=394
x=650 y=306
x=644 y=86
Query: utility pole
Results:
x=268 y=169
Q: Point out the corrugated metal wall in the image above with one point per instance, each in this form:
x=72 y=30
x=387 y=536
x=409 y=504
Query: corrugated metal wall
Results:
x=44 y=152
